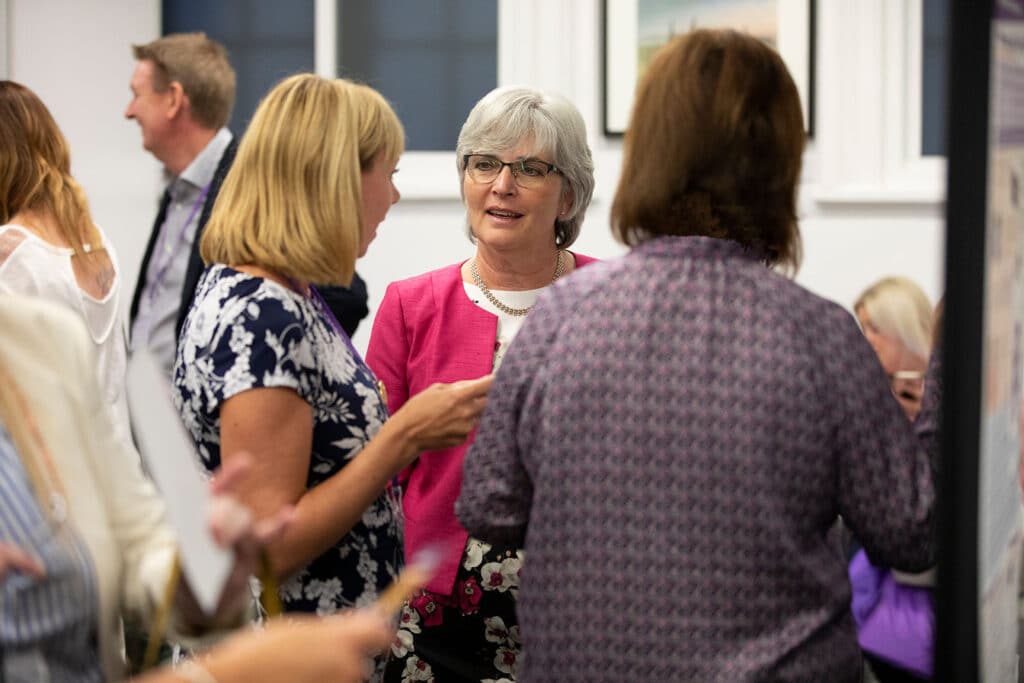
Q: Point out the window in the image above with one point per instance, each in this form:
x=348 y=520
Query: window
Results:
x=432 y=59
x=266 y=40
x=934 y=20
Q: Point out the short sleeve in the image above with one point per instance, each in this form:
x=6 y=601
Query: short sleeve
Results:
x=263 y=346
x=241 y=334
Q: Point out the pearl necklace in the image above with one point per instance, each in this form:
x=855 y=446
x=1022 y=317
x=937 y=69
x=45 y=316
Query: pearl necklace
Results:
x=517 y=312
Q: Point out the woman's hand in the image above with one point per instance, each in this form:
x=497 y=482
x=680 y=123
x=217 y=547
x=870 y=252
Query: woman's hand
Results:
x=443 y=415
x=296 y=649
x=232 y=525
x=14 y=559
x=274 y=424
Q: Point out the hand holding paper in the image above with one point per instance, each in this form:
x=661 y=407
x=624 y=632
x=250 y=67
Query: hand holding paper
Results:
x=232 y=526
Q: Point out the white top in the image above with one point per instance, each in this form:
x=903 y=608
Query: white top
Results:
x=154 y=326
x=113 y=507
x=508 y=325
x=30 y=265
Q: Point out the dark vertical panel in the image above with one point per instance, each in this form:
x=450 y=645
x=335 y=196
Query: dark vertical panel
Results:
x=934 y=43
x=956 y=647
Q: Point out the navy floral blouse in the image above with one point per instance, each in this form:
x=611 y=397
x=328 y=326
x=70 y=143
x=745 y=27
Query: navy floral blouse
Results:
x=246 y=332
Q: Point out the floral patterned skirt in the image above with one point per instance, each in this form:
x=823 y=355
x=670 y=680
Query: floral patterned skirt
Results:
x=470 y=635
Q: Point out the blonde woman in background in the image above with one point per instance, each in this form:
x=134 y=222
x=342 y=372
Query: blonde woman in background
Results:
x=897 y=318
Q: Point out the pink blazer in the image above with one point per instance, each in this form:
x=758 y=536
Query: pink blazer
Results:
x=427 y=330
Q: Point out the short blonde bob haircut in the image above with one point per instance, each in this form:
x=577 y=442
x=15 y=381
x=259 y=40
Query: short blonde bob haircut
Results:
x=292 y=201
x=900 y=310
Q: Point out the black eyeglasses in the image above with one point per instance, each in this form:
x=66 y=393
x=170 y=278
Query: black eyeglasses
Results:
x=484 y=168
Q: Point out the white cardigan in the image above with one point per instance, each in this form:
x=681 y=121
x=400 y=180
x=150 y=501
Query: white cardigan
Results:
x=113 y=507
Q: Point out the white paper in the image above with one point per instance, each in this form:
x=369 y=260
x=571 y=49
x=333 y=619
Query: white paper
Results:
x=170 y=457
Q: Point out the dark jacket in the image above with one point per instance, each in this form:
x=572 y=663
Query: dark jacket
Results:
x=349 y=305
x=195 y=262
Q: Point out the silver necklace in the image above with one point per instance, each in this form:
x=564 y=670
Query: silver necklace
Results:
x=517 y=312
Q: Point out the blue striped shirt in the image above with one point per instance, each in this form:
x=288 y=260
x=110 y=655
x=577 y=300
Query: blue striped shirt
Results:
x=48 y=627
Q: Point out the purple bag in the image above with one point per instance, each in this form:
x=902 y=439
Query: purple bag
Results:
x=895 y=622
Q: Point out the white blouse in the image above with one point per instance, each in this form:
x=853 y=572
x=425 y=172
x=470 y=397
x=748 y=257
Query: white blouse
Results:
x=508 y=325
x=30 y=265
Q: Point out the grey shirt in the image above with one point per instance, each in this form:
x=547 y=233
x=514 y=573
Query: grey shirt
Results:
x=158 y=305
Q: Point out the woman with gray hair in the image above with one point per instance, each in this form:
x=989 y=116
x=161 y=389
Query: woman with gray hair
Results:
x=527 y=176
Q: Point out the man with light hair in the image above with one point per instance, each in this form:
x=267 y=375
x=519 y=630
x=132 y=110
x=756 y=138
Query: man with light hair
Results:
x=183 y=90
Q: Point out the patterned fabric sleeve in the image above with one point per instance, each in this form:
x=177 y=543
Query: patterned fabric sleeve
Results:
x=927 y=423
x=47 y=627
x=241 y=334
x=886 y=486
x=263 y=346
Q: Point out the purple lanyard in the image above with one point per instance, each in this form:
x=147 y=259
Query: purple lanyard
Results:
x=319 y=299
x=394 y=489
x=161 y=271
x=331 y=318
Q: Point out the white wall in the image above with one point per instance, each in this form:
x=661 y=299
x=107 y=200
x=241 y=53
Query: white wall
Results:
x=870 y=206
x=76 y=55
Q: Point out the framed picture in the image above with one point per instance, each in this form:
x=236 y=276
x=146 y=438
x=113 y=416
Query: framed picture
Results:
x=635 y=29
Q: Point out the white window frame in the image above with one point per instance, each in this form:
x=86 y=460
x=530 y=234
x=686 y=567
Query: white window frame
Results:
x=871 y=125
x=424 y=175
x=907 y=165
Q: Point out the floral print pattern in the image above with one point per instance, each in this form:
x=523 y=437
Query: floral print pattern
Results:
x=245 y=332
x=479 y=614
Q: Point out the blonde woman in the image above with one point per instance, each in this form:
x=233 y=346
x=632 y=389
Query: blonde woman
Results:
x=263 y=365
x=49 y=245
x=897 y=318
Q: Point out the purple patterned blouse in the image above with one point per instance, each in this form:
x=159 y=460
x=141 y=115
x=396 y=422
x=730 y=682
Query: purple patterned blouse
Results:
x=672 y=434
